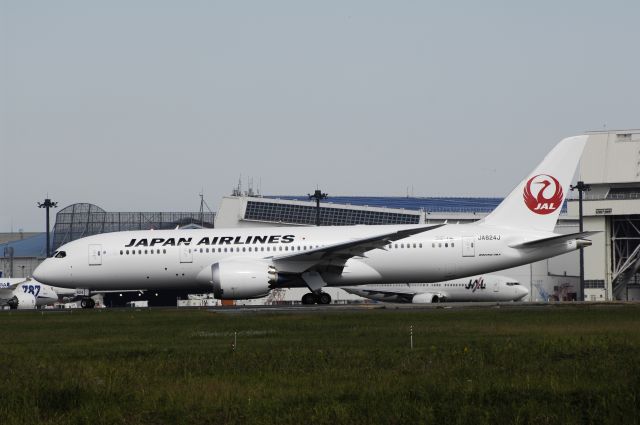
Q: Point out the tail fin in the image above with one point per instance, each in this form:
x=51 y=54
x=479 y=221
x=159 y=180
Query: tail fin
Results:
x=536 y=202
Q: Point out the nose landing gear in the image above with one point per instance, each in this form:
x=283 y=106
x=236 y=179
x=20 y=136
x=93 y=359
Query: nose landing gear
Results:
x=313 y=298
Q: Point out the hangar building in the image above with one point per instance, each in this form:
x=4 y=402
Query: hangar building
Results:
x=611 y=166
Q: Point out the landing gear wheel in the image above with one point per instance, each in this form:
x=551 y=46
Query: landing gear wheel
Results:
x=87 y=303
x=308 y=298
x=324 y=298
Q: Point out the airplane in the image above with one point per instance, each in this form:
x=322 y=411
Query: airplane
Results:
x=480 y=288
x=248 y=263
x=25 y=294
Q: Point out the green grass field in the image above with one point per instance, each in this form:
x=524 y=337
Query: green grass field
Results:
x=540 y=365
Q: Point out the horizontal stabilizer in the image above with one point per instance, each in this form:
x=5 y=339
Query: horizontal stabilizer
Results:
x=553 y=240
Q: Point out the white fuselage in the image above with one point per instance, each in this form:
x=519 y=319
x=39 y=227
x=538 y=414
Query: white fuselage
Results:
x=180 y=258
x=482 y=288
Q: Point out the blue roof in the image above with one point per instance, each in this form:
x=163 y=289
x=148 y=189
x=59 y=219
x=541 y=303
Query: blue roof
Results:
x=33 y=246
x=431 y=204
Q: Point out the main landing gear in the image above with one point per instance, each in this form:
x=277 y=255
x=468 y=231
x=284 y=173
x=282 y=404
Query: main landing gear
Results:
x=313 y=298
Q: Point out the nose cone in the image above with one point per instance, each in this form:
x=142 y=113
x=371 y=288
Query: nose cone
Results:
x=521 y=292
x=49 y=273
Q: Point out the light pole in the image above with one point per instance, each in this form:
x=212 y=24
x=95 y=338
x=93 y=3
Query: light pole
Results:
x=318 y=195
x=48 y=204
x=581 y=187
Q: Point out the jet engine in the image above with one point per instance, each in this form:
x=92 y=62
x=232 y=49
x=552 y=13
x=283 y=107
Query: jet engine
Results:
x=242 y=278
x=22 y=301
x=427 y=298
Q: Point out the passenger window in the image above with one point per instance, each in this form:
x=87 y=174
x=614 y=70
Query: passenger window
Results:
x=446 y=245
x=146 y=252
x=451 y=244
x=120 y=252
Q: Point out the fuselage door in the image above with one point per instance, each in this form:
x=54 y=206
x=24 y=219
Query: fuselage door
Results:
x=186 y=254
x=95 y=255
x=468 y=246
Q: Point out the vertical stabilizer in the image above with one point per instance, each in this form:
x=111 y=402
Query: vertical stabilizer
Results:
x=536 y=202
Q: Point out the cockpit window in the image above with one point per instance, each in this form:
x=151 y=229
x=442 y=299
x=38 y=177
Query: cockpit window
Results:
x=59 y=254
x=512 y=284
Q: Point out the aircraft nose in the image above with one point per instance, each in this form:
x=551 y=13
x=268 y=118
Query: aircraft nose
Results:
x=521 y=292
x=48 y=273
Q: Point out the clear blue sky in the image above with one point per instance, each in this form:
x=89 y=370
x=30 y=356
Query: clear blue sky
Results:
x=138 y=105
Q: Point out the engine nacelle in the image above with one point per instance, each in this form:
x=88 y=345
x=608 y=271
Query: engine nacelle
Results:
x=22 y=301
x=242 y=278
x=427 y=298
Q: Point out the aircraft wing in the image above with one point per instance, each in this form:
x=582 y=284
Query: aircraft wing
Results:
x=6 y=292
x=338 y=254
x=553 y=240
x=6 y=289
x=398 y=290
x=398 y=293
x=12 y=286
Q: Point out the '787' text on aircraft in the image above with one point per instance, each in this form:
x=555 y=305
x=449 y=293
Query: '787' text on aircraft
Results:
x=25 y=294
x=248 y=263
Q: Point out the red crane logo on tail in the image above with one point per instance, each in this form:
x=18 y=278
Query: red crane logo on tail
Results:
x=545 y=185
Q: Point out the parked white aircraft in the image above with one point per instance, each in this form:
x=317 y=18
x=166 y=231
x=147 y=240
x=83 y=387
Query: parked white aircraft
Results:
x=248 y=263
x=23 y=294
x=480 y=288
